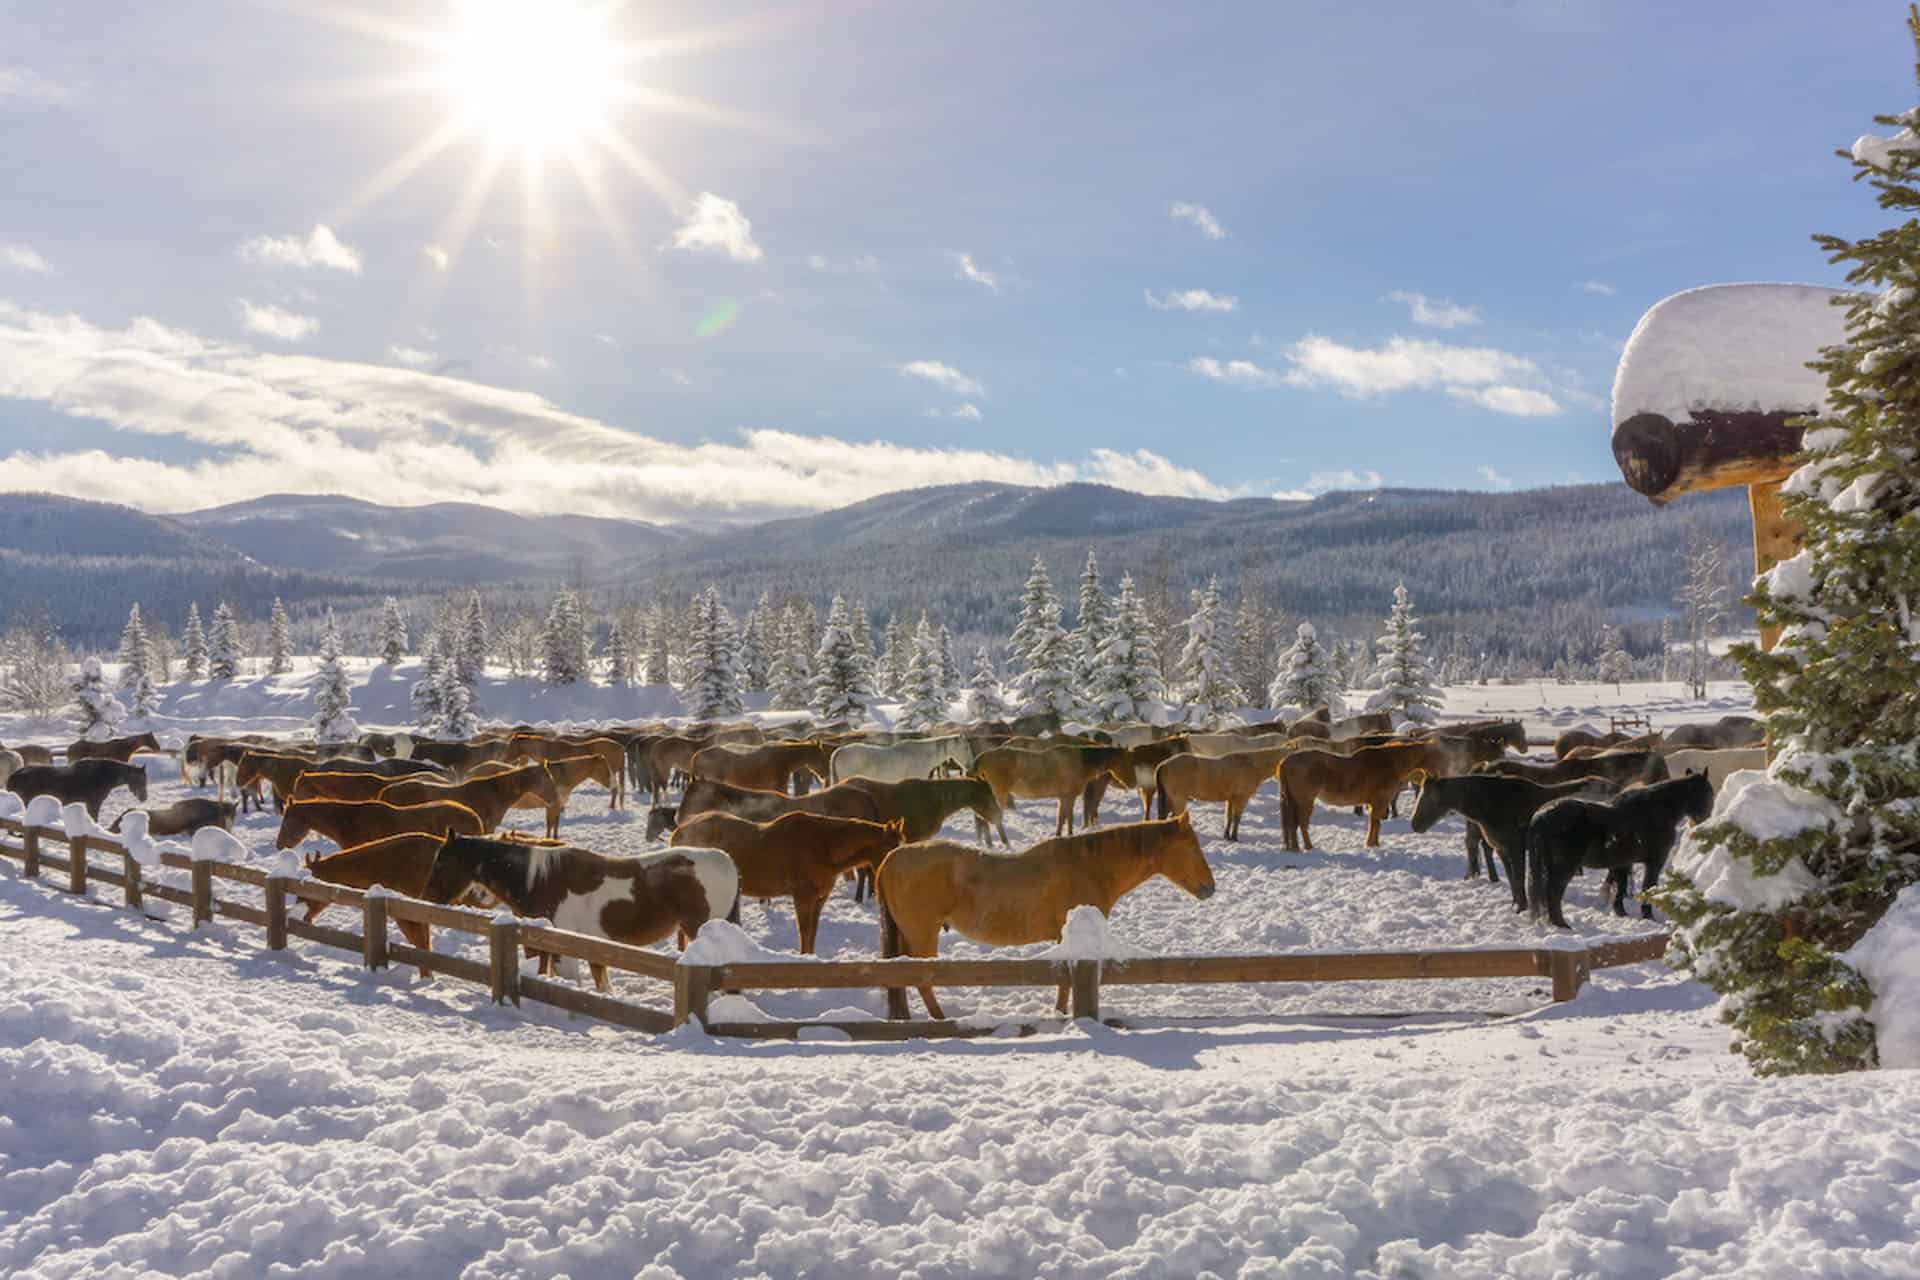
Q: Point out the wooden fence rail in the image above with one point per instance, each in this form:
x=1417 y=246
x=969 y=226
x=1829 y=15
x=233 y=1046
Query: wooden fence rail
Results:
x=694 y=985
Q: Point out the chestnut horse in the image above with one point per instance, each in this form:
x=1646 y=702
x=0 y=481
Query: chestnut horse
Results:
x=1060 y=774
x=489 y=797
x=546 y=747
x=351 y=822
x=635 y=900
x=798 y=855
x=1011 y=899
x=767 y=767
x=1371 y=776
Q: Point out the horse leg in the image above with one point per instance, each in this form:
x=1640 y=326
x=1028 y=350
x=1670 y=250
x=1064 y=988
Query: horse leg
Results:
x=600 y=982
x=1375 y=811
x=1146 y=803
x=1060 y=1001
x=420 y=934
x=1302 y=815
x=1063 y=816
x=806 y=917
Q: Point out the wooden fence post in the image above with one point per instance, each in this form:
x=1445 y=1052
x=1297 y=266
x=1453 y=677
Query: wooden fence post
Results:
x=277 y=913
x=692 y=983
x=202 y=892
x=77 y=864
x=130 y=869
x=1085 y=977
x=503 y=960
x=897 y=1007
x=374 y=927
x=1569 y=970
x=30 y=844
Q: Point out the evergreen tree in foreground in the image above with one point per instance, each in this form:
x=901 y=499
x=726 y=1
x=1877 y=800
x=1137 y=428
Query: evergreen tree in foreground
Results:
x=96 y=712
x=280 y=641
x=223 y=663
x=1406 y=682
x=1050 y=681
x=332 y=696
x=1306 y=679
x=194 y=641
x=1039 y=616
x=712 y=688
x=985 y=700
x=1777 y=897
x=393 y=632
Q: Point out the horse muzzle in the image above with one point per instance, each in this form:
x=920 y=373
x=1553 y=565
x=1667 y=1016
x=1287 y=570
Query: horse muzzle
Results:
x=1204 y=892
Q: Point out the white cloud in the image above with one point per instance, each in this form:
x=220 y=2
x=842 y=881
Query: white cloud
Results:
x=968 y=412
x=1600 y=287
x=606 y=339
x=318 y=248
x=965 y=269
x=715 y=223
x=944 y=376
x=21 y=257
x=1239 y=373
x=30 y=88
x=1200 y=216
x=818 y=261
x=1345 y=478
x=276 y=322
x=1435 y=313
x=1519 y=402
x=1491 y=378
x=541 y=364
x=280 y=422
x=1192 y=300
x=412 y=357
x=1494 y=479
x=439 y=258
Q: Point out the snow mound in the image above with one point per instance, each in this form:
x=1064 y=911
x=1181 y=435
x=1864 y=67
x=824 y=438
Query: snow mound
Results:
x=10 y=806
x=78 y=822
x=723 y=942
x=43 y=811
x=1087 y=935
x=1729 y=347
x=211 y=844
x=1766 y=808
x=1889 y=958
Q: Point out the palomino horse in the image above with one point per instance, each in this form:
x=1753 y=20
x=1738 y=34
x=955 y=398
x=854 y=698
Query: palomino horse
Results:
x=798 y=855
x=1060 y=774
x=1233 y=779
x=1009 y=900
x=635 y=900
x=89 y=782
x=902 y=760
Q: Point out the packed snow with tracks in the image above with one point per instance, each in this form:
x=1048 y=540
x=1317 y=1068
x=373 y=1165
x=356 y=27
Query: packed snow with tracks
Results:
x=183 y=1103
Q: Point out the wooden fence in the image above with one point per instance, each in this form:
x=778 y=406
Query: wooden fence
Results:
x=693 y=985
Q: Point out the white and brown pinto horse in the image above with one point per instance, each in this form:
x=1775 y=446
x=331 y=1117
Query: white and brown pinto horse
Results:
x=637 y=900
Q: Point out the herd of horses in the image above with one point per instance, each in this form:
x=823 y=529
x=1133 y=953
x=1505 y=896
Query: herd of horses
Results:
x=747 y=814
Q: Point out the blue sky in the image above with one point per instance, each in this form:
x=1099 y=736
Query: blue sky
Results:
x=1202 y=248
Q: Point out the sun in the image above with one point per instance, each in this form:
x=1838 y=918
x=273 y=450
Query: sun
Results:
x=536 y=75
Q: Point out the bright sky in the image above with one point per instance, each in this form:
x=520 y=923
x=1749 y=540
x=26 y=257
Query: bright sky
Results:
x=731 y=260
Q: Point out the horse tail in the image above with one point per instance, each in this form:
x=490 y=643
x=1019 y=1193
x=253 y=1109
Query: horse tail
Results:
x=889 y=927
x=1159 y=796
x=1536 y=871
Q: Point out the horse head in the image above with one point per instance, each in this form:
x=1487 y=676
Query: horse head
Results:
x=451 y=873
x=543 y=786
x=1697 y=800
x=661 y=820
x=137 y=783
x=1428 y=808
x=295 y=825
x=1182 y=861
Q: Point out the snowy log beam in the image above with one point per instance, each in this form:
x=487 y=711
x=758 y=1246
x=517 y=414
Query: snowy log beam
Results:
x=1663 y=459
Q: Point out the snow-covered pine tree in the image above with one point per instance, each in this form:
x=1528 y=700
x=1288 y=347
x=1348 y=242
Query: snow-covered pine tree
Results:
x=280 y=641
x=949 y=668
x=194 y=641
x=712 y=680
x=393 y=632
x=894 y=659
x=654 y=665
x=1666 y=649
x=133 y=649
x=985 y=701
x=223 y=657
x=1252 y=645
x=1306 y=679
x=580 y=629
x=925 y=701
x=1039 y=616
x=1090 y=631
x=1127 y=683
x=560 y=640
x=1050 y=681
x=1405 y=681
x=1616 y=664
x=456 y=721
x=427 y=696
x=96 y=712
x=862 y=627
x=470 y=660
x=619 y=660
x=755 y=647
x=333 y=693
x=787 y=673
x=1792 y=898
x=1207 y=676
x=840 y=690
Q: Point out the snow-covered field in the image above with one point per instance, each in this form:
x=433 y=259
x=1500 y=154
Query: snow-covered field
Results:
x=181 y=1103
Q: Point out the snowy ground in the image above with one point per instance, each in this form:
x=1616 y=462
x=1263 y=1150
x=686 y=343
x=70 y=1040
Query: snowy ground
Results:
x=183 y=1104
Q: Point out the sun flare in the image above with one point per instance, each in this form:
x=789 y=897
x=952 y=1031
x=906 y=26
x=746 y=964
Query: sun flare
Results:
x=533 y=74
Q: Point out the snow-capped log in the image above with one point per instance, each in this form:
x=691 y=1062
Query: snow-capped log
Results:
x=1710 y=380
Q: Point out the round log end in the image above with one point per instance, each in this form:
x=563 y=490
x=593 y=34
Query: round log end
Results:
x=1648 y=452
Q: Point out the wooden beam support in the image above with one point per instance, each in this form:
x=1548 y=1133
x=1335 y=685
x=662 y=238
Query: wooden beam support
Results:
x=503 y=960
x=202 y=874
x=276 y=892
x=373 y=931
x=1664 y=460
x=77 y=864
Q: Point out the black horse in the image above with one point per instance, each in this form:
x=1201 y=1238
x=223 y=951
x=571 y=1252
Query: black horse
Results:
x=89 y=782
x=1497 y=810
x=1640 y=825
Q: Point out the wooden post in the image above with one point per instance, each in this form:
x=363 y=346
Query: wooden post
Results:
x=1569 y=970
x=897 y=1009
x=30 y=846
x=202 y=892
x=1085 y=976
x=77 y=864
x=374 y=930
x=276 y=892
x=503 y=961
x=691 y=985
x=130 y=869
x=1775 y=538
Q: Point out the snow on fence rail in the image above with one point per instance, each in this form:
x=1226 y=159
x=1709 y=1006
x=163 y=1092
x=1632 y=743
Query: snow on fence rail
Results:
x=693 y=984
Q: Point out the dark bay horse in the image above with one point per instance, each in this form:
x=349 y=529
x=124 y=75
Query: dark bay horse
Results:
x=1640 y=825
x=88 y=782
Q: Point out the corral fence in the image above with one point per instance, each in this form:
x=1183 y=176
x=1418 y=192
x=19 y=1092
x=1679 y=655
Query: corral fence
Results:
x=694 y=985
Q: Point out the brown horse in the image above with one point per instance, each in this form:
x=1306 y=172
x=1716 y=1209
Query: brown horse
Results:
x=120 y=749
x=349 y=822
x=1060 y=774
x=328 y=784
x=1623 y=767
x=798 y=855
x=703 y=795
x=1009 y=900
x=671 y=754
x=489 y=797
x=458 y=758
x=1233 y=779
x=34 y=755
x=635 y=900
x=400 y=863
x=546 y=747
x=767 y=767
x=1371 y=776
x=184 y=817
x=88 y=782
x=1137 y=771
